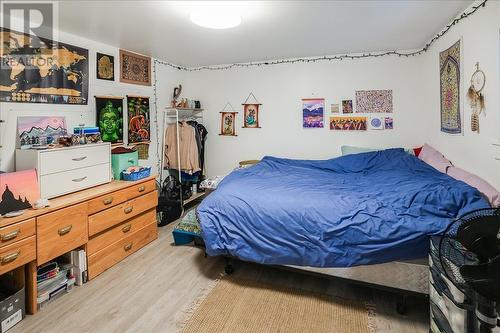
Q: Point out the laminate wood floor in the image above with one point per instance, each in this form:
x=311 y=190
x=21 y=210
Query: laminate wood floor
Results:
x=152 y=290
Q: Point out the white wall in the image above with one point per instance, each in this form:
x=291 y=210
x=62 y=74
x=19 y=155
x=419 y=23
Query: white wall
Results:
x=480 y=43
x=85 y=114
x=280 y=88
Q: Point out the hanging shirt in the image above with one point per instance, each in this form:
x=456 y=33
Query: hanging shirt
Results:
x=189 y=156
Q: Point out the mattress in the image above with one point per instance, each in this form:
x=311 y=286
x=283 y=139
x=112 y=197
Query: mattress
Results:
x=410 y=275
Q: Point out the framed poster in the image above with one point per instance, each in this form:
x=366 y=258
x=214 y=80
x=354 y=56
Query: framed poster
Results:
x=348 y=123
x=135 y=68
x=60 y=73
x=109 y=118
x=105 y=67
x=313 y=112
x=138 y=119
x=227 y=124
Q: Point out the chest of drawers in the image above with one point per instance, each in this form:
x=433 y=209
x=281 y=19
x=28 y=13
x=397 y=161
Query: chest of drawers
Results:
x=66 y=170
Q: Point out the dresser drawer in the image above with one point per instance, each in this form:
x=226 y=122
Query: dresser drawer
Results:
x=109 y=256
x=120 y=231
x=17 y=254
x=16 y=232
x=56 y=161
x=118 y=197
x=54 y=185
x=115 y=215
x=60 y=232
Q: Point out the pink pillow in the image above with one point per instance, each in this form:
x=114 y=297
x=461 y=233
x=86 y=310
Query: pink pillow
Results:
x=486 y=189
x=434 y=158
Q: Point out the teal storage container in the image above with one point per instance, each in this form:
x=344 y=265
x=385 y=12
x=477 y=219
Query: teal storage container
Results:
x=120 y=162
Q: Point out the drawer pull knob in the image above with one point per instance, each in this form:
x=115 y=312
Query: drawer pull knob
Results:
x=78 y=159
x=65 y=230
x=107 y=201
x=10 y=257
x=10 y=235
x=127 y=247
x=128 y=210
x=77 y=180
x=131 y=160
x=142 y=188
x=126 y=228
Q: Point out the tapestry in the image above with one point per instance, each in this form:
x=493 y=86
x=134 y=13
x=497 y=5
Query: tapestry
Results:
x=19 y=190
x=374 y=101
x=348 y=123
x=135 y=68
x=313 y=112
x=34 y=131
x=251 y=115
x=450 y=72
x=138 y=119
x=48 y=72
x=105 y=67
x=227 y=123
x=109 y=118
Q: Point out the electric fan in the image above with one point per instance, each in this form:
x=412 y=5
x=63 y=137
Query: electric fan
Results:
x=469 y=253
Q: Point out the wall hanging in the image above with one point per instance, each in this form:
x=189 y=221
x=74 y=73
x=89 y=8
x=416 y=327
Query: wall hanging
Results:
x=374 y=101
x=348 y=123
x=389 y=123
x=33 y=131
x=376 y=123
x=19 y=191
x=450 y=78
x=109 y=118
x=62 y=78
x=347 y=106
x=476 y=97
x=138 y=119
x=313 y=112
x=135 y=68
x=105 y=67
x=335 y=108
x=228 y=121
x=251 y=112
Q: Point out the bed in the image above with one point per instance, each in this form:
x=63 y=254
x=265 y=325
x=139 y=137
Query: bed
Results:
x=366 y=217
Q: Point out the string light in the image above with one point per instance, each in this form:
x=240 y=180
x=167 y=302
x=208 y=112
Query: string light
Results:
x=329 y=58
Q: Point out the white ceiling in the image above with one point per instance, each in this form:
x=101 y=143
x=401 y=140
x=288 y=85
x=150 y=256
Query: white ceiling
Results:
x=269 y=29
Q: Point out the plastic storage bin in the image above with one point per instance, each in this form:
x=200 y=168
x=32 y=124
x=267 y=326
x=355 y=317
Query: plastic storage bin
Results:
x=120 y=162
x=144 y=173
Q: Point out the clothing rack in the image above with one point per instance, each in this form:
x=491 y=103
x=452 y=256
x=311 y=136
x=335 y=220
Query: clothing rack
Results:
x=178 y=115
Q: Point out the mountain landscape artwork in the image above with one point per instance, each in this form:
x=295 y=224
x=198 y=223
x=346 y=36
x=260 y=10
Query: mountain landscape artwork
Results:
x=18 y=190
x=313 y=112
x=39 y=130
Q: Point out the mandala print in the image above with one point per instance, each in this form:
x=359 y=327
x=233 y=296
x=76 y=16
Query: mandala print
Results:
x=449 y=64
x=374 y=101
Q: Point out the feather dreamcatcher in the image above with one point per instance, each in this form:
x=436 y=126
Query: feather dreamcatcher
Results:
x=476 y=97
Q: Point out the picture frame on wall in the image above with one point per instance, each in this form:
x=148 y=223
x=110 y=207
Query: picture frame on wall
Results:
x=347 y=106
x=313 y=110
x=135 y=68
x=105 y=67
x=355 y=123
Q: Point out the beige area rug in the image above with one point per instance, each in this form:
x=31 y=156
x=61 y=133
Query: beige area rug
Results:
x=240 y=306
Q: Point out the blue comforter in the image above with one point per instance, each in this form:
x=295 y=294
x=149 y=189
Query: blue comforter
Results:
x=359 y=209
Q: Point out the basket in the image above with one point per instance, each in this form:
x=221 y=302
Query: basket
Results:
x=144 y=173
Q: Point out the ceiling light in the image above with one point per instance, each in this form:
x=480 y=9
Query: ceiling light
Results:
x=216 y=17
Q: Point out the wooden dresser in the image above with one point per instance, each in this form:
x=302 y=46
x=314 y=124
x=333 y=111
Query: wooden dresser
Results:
x=109 y=221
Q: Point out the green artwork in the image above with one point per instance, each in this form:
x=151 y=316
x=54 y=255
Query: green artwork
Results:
x=110 y=118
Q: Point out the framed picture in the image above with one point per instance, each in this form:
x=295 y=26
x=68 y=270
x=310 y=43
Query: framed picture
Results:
x=313 y=112
x=348 y=123
x=42 y=130
x=138 y=119
x=376 y=123
x=18 y=190
x=335 y=108
x=105 y=67
x=109 y=118
x=227 y=124
x=389 y=123
x=135 y=68
x=251 y=115
x=347 y=106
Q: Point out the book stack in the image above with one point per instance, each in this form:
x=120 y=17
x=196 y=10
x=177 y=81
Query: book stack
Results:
x=53 y=279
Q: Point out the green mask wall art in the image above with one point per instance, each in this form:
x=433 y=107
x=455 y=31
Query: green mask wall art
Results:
x=109 y=118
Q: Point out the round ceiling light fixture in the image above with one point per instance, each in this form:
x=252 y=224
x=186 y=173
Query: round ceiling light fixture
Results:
x=216 y=17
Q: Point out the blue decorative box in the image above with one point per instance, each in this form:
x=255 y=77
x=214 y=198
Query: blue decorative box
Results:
x=144 y=173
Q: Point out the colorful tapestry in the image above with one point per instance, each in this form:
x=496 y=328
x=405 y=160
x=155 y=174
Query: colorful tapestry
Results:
x=51 y=72
x=109 y=118
x=374 y=101
x=313 y=112
x=138 y=119
x=135 y=68
x=450 y=72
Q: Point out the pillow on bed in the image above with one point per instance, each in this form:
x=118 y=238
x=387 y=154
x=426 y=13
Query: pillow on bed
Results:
x=434 y=158
x=482 y=185
x=349 y=150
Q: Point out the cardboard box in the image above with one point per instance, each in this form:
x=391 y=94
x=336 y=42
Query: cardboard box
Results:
x=12 y=302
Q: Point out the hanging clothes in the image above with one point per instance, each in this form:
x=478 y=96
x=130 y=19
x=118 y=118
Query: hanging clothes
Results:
x=201 y=136
x=188 y=148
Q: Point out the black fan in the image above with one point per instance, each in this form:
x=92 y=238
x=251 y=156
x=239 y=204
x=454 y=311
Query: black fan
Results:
x=469 y=254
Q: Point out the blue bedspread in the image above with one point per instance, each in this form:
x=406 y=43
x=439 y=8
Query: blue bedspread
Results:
x=359 y=209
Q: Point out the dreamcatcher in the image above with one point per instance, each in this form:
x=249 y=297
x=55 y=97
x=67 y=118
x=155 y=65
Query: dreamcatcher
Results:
x=476 y=97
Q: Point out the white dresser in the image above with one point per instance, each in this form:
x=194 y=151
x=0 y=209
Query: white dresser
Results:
x=70 y=169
